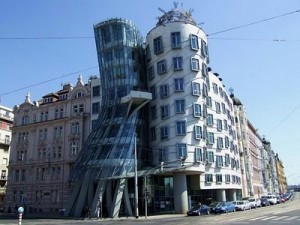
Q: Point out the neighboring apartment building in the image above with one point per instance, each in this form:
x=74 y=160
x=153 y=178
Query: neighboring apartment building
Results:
x=47 y=136
x=282 y=183
x=6 y=122
x=95 y=99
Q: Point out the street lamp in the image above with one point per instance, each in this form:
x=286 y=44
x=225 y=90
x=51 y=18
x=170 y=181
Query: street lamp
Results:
x=136 y=180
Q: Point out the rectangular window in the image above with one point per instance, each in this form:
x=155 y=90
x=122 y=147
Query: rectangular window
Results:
x=180 y=106
x=210 y=156
x=195 y=64
x=208 y=178
x=226 y=141
x=161 y=67
x=163 y=154
x=176 y=40
x=181 y=150
x=153 y=112
x=158 y=45
x=198 y=132
x=227 y=159
x=225 y=125
x=205 y=90
x=219 y=178
x=218 y=107
x=204 y=49
x=153 y=133
x=177 y=63
x=215 y=88
x=164 y=90
x=198 y=154
x=178 y=84
x=219 y=161
x=210 y=120
x=96 y=91
x=223 y=108
x=220 y=143
x=204 y=70
x=150 y=73
x=219 y=125
x=165 y=112
x=164 y=133
x=180 y=128
x=227 y=178
x=153 y=91
x=211 y=138
x=95 y=107
x=196 y=88
x=194 y=42
x=208 y=102
x=197 y=110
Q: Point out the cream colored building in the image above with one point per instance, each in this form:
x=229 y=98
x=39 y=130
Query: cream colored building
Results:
x=6 y=121
x=47 y=136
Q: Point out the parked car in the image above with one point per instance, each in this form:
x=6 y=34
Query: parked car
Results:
x=225 y=207
x=212 y=207
x=255 y=202
x=264 y=201
x=242 y=205
x=272 y=199
x=198 y=210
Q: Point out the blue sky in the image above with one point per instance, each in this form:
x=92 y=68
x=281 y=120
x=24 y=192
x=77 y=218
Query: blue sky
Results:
x=263 y=72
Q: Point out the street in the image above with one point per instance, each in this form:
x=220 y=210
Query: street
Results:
x=284 y=213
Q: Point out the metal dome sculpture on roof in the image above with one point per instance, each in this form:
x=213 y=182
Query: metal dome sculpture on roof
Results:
x=176 y=15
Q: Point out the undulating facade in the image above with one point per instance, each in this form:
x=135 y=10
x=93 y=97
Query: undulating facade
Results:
x=6 y=122
x=47 y=136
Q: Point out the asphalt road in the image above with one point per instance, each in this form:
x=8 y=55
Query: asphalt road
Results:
x=285 y=213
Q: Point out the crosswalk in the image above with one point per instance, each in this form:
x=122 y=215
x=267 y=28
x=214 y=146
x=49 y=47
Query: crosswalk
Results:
x=276 y=218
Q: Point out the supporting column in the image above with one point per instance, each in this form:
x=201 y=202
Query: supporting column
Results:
x=118 y=198
x=180 y=193
x=231 y=195
x=221 y=195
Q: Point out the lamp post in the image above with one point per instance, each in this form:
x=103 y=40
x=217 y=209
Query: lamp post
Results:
x=136 y=180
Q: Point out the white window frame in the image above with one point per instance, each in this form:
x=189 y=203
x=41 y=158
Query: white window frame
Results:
x=196 y=88
x=198 y=132
x=195 y=65
x=197 y=109
x=194 y=42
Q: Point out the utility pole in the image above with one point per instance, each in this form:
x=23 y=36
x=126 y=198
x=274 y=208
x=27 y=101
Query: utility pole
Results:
x=136 y=180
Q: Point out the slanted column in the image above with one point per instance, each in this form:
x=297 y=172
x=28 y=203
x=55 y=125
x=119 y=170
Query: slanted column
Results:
x=221 y=195
x=180 y=193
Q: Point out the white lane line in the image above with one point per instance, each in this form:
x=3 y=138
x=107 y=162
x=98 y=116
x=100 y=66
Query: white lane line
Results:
x=291 y=218
x=258 y=218
x=269 y=218
x=280 y=218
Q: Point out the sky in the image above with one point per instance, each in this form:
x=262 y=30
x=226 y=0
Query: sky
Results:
x=259 y=61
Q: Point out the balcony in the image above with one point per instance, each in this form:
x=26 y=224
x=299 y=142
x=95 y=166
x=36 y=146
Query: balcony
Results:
x=5 y=141
x=136 y=100
x=6 y=117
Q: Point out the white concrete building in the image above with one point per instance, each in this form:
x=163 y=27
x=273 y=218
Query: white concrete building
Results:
x=191 y=116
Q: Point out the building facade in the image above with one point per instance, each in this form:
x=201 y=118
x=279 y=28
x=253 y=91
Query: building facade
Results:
x=47 y=137
x=6 y=122
x=282 y=183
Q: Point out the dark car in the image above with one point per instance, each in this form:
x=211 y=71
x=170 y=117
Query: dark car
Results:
x=225 y=207
x=212 y=207
x=264 y=202
x=199 y=210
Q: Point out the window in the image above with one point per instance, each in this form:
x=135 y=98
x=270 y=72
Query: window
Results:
x=204 y=70
x=227 y=159
x=219 y=178
x=196 y=89
x=165 y=112
x=225 y=125
x=210 y=156
x=164 y=133
x=150 y=73
x=180 y=128
x=181 y=150
x=177 y=63
x=205 y=134
x=208 y=102
x=198 y=154
x=218 y=107
x=227 y=178
x=226 y=142
x=163 y=154
x=219 y=125
x=180 y=106
x=96 y=91
x=158 y=45
x=178 y=84
x=164 y=90
x=219 y=161
x=161 y=67
x=215 y=88
x=204 y=49
x=208 y=178
x=223 y=108
x=75 y=128
x=153 y=92
x=210 y=120
x=95 y=107
x=205 y=90
x=195 y=64
x=197 y=110
x=4 y=161
x=79 y=94
x=211 y=138
x=153 y=112
x=194 y=42
x=220 y=143
x=74 y=148
x=175 y=40
x=198 y=132
x=153 y=133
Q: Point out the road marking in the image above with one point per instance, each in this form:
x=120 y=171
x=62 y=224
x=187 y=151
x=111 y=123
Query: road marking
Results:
x=291 y=218
x=280 y=218
x=258 y=218
x=269 y=218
